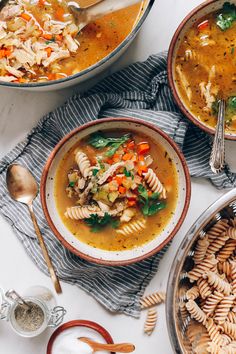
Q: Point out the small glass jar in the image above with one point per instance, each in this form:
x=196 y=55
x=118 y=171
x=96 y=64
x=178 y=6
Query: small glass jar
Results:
x=43 y=300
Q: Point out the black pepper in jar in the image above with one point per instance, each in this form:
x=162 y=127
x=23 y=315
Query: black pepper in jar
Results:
x=29 y=320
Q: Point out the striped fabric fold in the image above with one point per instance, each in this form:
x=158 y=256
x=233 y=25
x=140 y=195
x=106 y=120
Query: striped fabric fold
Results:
x=141 y=91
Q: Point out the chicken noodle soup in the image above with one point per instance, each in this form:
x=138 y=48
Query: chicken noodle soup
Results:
x=39 y=39
x=116 y=190
x=205 y=67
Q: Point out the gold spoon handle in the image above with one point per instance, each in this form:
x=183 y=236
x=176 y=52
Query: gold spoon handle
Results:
x=119 y=348
x=48 y=261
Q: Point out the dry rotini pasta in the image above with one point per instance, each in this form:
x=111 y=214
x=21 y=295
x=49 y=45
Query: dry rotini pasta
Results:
x=223 y=308
x=198 y=271
x=233 y=276
x=225 y=268
x=193 y=293
x=218 y=283
x=231 y=232
x=231 y=317
x=218 y=243
x=212 y=301
x=195 y=311
x=200 y=250
x=217 y=229
x=204 y=288
x=152 y=300
x=230 y=329
x=214 y=332
x=227 y=250
x=150 y=322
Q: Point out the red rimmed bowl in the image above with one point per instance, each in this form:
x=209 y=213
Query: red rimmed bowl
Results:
x=102 y=333
x=115 y=258
x=202 y=10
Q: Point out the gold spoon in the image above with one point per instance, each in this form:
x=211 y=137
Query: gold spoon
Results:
x=117 y=348
x=23 y=188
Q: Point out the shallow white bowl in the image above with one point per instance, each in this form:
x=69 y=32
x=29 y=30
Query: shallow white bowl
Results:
x=114 y=257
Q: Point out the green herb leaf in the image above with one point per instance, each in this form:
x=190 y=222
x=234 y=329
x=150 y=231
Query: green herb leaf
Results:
x=232 y=103
x=149 y=205
x=155 y=196
x=145 y=209
x=127 y=173
x=226 y=17
x=143 y=193
x=95 y=171
x=98 y=141
x=97 y=223
x=72 y=184
x=154 y=208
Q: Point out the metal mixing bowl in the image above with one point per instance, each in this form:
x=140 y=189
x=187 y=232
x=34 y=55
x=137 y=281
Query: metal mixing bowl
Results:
x=178 y=319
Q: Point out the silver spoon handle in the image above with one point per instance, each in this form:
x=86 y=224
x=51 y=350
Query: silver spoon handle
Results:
x=92 y=13
x=15 y=297
x=217 y=159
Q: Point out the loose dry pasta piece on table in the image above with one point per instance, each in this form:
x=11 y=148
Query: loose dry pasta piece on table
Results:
x=198 y=271
x=221 y=226
x=204 y=288
x=132 y=227
x=218 y=283
x=192 y=293
x=200 y=250
x=84 y=164
x=227 y=250
x=230 y=329
x=223 y=308
x=151 y=321
x=154 y=183
x=152 y=300
x=195 y=311
x=212 y=301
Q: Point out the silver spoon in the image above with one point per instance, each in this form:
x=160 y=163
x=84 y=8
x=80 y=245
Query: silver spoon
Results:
x=15 y=297
x=217 y=158
x=23 y=188
x=84 y=16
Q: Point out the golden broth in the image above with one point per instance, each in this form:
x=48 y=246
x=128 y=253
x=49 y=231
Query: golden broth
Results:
x=108 y=239
x=200 y=51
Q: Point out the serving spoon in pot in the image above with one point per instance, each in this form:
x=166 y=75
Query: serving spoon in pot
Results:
x=217 y=158
x=83 y=16
x=117 y=348
x=23 y=188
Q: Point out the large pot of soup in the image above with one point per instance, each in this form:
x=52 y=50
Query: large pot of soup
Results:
x=41 y=48
x=201 y=65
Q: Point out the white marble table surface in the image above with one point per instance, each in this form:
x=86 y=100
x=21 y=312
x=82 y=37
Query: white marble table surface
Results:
x=19 y=112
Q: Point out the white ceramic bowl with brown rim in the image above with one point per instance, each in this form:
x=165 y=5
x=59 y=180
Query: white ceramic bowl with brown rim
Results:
x=204 y=9
x=115 y=257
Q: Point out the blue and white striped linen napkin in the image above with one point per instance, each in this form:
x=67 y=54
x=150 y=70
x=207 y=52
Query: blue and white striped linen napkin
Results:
x=139 y=91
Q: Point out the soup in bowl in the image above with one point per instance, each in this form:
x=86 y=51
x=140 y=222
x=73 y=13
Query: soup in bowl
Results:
x=41 y=43
x=115 y=191
x=201 y=65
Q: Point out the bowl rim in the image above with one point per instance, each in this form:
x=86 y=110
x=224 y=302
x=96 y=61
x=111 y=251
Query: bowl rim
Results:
x=84 y=127
x=79 y=323
x=190 y=237
x=89 y=69
x=170 y=61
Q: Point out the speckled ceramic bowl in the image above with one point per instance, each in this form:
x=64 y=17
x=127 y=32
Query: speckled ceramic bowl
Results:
x=114 y=257
x=205 y=8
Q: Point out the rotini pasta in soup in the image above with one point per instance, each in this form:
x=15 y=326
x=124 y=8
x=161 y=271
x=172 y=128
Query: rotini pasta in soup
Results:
x=40 y=39
x=116 y=190
x=205 y=67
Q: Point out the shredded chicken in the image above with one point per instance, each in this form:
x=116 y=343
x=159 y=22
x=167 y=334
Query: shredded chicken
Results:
x=184 y=82
x=10 y=11
x=111 y=170
x=127 y=215
x=207 y=93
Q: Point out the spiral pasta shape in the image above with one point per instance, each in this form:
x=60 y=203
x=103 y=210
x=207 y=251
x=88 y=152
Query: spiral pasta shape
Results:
x=154 y=183
x=218 y=243
x=135 y=226
x=231 y=317
x=192 y=293
x=151 y=321
x=230 y=329
x=200 y=250
x=212 y=301
x=152 y=300
x=233 y=277
x=225 y=268
x=79 y=213
x=227 y=250
x=214 y=332
x=218 y=283
x=217 y=229
x=214 y=348
x=195 y=311
x=231 y=232
x=223 y=308
x=84 y=164
x=201 y=268
x=204 y=288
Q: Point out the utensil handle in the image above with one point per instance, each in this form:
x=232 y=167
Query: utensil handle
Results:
x=48 y=261
x=217 y=158
x=118 y=348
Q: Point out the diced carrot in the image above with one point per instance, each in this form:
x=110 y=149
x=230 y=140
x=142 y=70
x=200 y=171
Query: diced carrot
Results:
x=47 y=36
x=142 y=169
x=143 y=148
x=51 y=76
x=122 y=189
x=127 y=156
x=131 y=203
x=149 y=193
x=59 y=14
x=21 y=80
x=49 y=51
x=119 y=179
x=203 y=25
x=41 y=2
x=141 y=158
x=25 y=16
x=110 y=161
x=131 y=145
x=59 y=37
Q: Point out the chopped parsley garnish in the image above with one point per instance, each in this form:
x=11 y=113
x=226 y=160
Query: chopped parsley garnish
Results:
x=96 y=223
x=127 y=173
x=99 y=141
x=149 y=205
x=226 y=17
x=95 y=171
x=71 y=184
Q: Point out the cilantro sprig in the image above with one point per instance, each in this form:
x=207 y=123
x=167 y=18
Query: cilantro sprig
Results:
x=99 y=141
x=96 y=223
x=226 y=17
x=149 y=205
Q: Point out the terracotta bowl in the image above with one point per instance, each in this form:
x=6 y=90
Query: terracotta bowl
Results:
x=83 y=324
x=204 y=9
x=114 y=257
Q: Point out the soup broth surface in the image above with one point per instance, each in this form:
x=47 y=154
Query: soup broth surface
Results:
x=107 y=238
